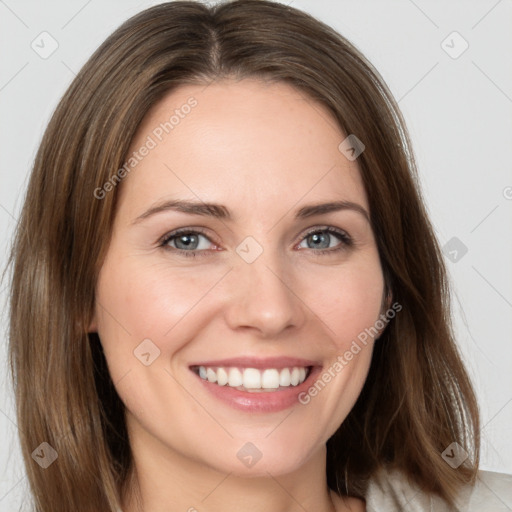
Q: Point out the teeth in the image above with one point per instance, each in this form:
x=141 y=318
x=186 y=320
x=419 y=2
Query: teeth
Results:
x=254 y=379
x=270 y=379
x=211 y=375
x=284 y=377
x=222 y=377
x=235 y=377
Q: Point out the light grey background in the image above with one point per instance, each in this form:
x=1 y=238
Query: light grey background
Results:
x=458 y=112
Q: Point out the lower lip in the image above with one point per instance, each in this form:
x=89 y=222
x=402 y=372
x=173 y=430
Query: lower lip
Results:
x=271 y=401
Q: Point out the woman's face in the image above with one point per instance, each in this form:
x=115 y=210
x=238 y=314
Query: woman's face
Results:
x=260 y=289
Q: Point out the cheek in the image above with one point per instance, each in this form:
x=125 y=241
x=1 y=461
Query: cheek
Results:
x=347 y=300
x=137 y=303
x=144 y=299
x=349 y=305
x=143 y=313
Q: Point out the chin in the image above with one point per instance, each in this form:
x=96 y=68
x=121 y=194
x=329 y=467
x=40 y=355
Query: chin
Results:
x=261 y=458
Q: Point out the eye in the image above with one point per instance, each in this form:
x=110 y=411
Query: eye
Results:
x=322 y=238
x=186 y=241
x=192 y=242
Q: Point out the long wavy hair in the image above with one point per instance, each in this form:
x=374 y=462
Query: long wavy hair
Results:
x=417 y=398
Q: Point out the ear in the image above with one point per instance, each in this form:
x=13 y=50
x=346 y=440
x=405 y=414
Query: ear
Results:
x=386 y=305
x=387 y=298
x=93 y=327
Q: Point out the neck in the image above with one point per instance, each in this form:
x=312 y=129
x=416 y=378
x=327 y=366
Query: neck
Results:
x=163 y=480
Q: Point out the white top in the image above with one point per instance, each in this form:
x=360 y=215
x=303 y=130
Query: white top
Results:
x=391 y=492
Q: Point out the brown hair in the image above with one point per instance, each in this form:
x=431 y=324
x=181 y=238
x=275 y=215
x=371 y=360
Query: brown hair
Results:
x=417 y=398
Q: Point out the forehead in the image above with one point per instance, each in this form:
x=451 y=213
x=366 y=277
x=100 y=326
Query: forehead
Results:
x=247 y=142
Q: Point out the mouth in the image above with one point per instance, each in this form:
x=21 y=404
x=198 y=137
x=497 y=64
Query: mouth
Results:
x=257 y=385
x=254 y=380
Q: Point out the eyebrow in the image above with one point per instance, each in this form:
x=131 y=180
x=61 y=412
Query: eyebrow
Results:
x=219 y=211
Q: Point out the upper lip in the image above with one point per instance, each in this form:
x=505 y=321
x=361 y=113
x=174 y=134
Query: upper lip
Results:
x=261 y=363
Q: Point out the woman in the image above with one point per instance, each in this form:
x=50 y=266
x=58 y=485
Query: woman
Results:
x=226 y=292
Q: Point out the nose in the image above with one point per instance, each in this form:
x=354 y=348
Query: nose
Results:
x=264 y=299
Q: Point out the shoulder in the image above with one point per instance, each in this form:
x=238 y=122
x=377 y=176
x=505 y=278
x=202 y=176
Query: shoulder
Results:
x=391 y=491
x=492 y=491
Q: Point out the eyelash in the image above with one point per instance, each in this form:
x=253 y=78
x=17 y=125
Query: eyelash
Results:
x=346 y=241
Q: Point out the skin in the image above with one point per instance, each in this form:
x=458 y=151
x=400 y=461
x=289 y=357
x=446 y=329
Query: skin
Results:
x=263 y=150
